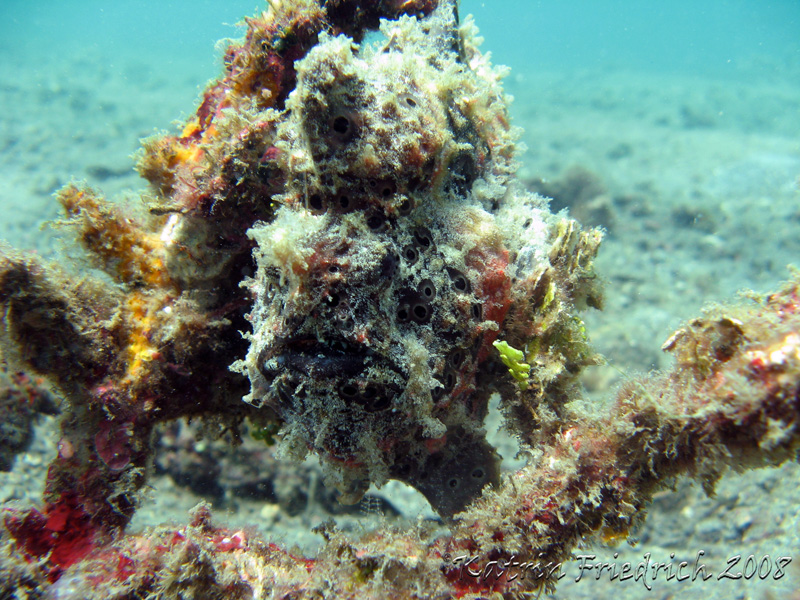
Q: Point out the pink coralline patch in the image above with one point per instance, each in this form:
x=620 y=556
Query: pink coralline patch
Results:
x=126 y=568
x=228 y=543
x=495 y=290
x=63 y=533
x=113 y=445
x=495 y=285
x=66 y=450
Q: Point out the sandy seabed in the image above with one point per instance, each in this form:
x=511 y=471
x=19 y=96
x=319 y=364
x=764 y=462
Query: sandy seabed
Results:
x=696 y=181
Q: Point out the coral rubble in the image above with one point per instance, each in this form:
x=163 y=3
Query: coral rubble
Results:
x=352 y=208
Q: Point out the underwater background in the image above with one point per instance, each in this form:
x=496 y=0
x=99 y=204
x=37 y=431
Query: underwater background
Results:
x=673 y=125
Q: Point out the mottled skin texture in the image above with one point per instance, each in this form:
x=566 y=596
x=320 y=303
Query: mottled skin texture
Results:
x=382 y=281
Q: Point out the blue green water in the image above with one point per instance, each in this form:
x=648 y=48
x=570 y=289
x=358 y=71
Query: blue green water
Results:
x=714 y=37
